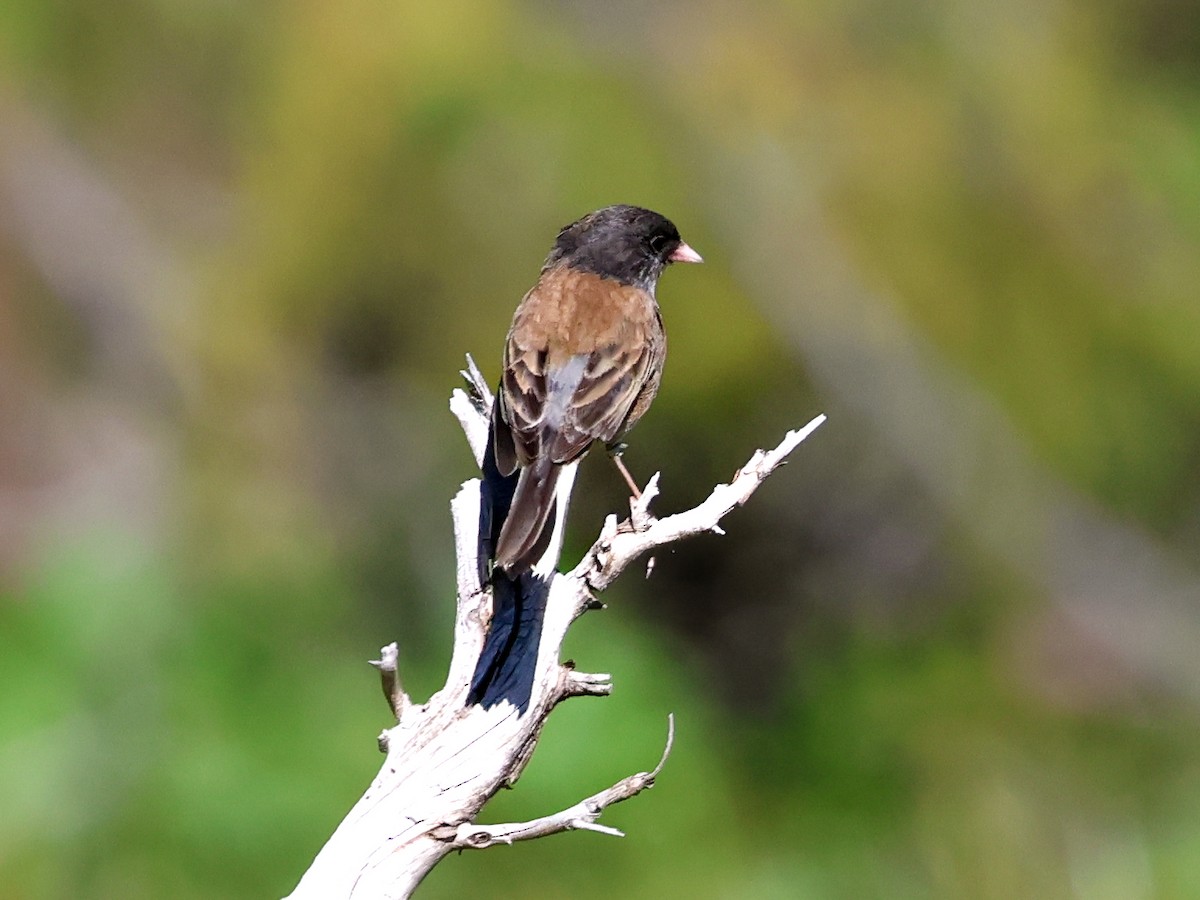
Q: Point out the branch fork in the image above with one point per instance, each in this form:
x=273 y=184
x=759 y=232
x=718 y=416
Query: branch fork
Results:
x=582 y=816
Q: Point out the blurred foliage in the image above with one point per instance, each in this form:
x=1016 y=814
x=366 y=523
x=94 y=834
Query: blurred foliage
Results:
x=948 y=652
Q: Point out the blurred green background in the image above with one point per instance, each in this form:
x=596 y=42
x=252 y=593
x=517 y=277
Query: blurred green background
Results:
x=952 y=650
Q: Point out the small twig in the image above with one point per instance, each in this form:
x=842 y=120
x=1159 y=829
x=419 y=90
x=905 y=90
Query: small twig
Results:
x=583 y=684
x=481 y=393
x=662 y=761
x=640 y=516
x=472 y=407
x=581 y=816
x=389 y=678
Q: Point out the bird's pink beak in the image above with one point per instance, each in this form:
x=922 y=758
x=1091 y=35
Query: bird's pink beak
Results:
x=684 y=253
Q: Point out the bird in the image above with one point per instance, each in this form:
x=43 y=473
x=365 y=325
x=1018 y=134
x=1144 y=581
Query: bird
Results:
x=582 y=362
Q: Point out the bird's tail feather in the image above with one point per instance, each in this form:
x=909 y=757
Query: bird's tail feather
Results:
x=497 y=495
x=529 y=524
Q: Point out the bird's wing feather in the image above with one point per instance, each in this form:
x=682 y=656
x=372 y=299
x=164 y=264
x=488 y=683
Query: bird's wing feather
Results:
x=610 y=384
x=580 y=355
x=523 y=397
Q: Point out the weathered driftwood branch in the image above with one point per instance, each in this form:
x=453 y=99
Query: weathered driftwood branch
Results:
x=582 y=815
x=447 y=757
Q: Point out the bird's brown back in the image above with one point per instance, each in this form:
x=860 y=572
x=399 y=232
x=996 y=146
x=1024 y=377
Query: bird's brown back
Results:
x=597 y=338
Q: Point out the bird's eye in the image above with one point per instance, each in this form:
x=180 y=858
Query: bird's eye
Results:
x=659 y=243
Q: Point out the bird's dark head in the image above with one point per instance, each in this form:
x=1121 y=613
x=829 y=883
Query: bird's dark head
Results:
x=626 y=243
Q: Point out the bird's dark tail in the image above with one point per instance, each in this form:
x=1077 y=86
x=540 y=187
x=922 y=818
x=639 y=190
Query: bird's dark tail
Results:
x=497 y=496
x=518 y=600
x=526 y=530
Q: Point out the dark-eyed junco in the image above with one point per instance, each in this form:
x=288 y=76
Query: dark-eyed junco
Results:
x=582 y=363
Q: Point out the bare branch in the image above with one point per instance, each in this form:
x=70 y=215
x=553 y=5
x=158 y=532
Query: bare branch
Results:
x=390 y=679
x=583 y=815
x=613 y=552
x=481 y=393
x=580 y=684
x=472 y=406
x=448 y=756
x=662 y=760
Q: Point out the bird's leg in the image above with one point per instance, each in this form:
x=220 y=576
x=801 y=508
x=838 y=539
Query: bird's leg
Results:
x=637 y=492
x=615 y=450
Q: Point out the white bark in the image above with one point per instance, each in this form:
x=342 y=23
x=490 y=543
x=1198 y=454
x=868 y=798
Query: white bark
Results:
x=446 y=758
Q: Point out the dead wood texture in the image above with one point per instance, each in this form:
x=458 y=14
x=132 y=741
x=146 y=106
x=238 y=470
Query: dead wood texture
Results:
x=447 y=757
